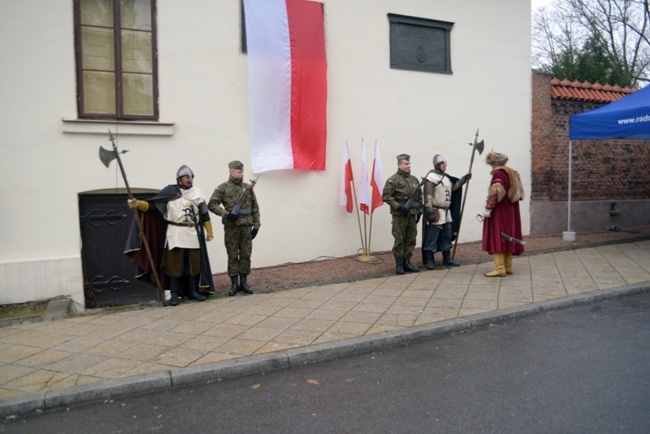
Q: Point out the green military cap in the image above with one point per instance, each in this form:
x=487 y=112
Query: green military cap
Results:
x=236 y=165
x=401 y=157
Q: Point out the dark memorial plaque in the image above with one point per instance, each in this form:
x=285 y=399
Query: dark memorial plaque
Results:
x=419 y=44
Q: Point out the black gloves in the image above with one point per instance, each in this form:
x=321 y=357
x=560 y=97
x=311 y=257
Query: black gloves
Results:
x=232 y=217
x=403 y=210
x=254 y=233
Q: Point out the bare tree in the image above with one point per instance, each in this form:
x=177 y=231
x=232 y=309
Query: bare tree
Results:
x=621 y=27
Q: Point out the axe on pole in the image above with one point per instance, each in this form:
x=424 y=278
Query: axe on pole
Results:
x=106 y=157
x=476 y=146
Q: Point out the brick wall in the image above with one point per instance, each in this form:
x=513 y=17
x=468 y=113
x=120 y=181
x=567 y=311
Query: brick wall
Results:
x=602 y=169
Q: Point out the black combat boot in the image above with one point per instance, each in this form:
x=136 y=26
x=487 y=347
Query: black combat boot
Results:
x=173 y=289
x=409 y=267
x=399 y=266
x=192 y=288
x=234 y=287
x=428 y=259
x=446 y=260
x=243 y=286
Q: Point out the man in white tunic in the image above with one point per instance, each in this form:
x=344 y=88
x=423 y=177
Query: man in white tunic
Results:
x=438 y=189
x=183 y=208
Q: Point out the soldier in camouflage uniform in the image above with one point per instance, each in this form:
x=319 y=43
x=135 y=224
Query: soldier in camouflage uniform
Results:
x=397 y=191
x=240 y=228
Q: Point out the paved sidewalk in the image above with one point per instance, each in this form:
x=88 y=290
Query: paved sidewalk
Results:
x=98 y=356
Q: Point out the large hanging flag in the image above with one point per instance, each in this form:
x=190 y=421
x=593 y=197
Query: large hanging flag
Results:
x=287 y=83
x=346 y=181
x=377 y=180
x=364 y=188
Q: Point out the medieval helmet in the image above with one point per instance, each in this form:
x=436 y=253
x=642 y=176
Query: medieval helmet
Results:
x=437 y=159
x=184 y=170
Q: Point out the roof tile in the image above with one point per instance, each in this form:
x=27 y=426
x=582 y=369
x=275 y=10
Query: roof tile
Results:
x=586 y=91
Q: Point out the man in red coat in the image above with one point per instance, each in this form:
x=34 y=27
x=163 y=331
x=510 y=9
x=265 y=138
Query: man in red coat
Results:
x=502 y=215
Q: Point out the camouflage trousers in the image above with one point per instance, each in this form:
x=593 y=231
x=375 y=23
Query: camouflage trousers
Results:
x=239 y=247
x=405 y=231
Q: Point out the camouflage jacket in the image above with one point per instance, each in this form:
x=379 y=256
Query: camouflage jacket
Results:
x=225 y=197
x=397 y=190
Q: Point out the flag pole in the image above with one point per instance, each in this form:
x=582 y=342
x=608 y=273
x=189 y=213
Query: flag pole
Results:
x=346 y=186
x=370 y=233
x=364 y=249
x=370 y=258
x=365 y=256
x=356 y=205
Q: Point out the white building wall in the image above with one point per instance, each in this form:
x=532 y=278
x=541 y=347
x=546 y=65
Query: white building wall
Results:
x=47 y=158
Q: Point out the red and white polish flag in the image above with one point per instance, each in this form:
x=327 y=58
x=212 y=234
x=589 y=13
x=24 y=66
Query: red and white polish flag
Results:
x=346 y=181
x=377 y=180
x=287 y=81
x=364 y=188
x=369 y=203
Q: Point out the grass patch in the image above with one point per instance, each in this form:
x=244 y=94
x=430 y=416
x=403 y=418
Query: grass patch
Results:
x=15 y=311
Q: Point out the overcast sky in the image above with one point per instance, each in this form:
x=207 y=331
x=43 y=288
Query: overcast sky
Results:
x=534 y=4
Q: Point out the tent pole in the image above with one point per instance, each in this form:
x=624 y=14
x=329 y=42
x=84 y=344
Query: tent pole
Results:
x=570 y=182
x=569 y=235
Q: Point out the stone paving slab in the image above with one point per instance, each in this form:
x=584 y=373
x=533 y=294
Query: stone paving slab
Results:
x=101 y=355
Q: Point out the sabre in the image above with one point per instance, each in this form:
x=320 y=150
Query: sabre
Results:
x=106 y=157
x=505 y=236
x=513 y=239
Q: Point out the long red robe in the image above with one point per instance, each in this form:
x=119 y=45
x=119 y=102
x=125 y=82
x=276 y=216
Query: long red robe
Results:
x=504 y=218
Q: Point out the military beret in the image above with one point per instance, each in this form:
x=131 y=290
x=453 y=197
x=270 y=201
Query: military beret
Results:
x=401 y=157
x=236 y=165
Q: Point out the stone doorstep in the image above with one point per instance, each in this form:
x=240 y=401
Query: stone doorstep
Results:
x=57 y=309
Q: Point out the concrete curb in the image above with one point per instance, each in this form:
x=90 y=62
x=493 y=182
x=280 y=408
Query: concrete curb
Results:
x=107 y=389
x=229 y=369
x=76 y=395
x=86 y=393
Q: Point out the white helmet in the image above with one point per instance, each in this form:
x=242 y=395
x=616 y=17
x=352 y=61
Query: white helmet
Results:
x=437 y=159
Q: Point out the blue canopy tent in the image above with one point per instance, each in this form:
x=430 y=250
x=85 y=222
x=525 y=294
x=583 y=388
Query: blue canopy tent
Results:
x=626 y=119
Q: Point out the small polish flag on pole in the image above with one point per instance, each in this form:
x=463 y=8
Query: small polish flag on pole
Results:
x=346 y=181
x=364 y=193
x=377 y=180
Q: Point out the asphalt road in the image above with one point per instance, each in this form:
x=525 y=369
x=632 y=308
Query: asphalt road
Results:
x=579 y=370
